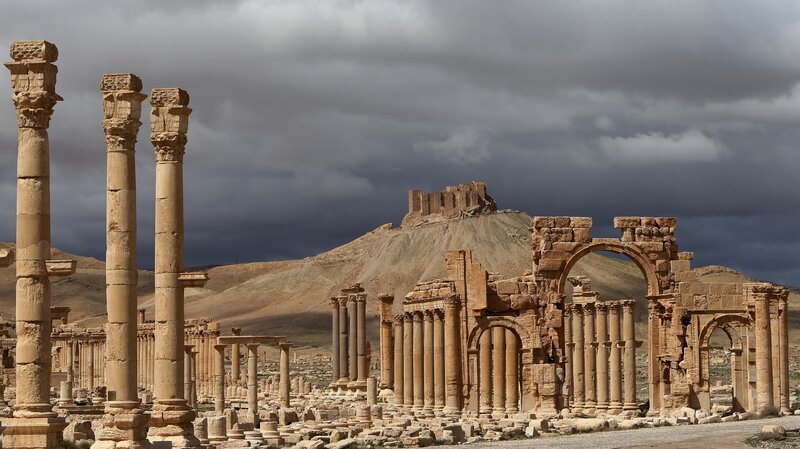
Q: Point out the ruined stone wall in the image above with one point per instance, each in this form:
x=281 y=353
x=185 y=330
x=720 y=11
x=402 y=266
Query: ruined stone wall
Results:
x=452 y=202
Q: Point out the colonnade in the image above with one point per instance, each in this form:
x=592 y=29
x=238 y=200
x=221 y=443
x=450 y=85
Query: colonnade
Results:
x=349 y=338
x=499 y=372
x=601 y=353
x=426 y=358
x=203 y=336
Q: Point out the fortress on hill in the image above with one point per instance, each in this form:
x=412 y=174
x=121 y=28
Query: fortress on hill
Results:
x=453 y=202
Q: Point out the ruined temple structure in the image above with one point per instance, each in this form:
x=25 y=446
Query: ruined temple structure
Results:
x=519 y=344
x=453 y=202
x=349 y=350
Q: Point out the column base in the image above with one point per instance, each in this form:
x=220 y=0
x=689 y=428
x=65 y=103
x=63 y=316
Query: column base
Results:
x=124 y=426
x=33 y=433
x=173 y=421
x=615 y=408
x=451 y=411
x=630 y=406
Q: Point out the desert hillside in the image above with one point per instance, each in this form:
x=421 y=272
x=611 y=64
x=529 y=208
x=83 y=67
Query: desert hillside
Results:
x=291 y=297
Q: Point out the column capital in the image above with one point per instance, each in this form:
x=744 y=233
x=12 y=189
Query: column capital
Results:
x=334 y=303
x=398 y=319
x=360 y=298
x=236 y=330
x=602 y=307
x=122 y=108
x=416 y=316
x=284 y=346
x=33 y=81
x=342 y=301
x=386 y=298
x=452 y=301
x=169 y=122
x=219 y=346
x=627 y=305
x=427 y=315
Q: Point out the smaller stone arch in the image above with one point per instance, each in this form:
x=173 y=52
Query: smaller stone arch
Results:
x=735 y=326
x=485 y=323
x=728 y=323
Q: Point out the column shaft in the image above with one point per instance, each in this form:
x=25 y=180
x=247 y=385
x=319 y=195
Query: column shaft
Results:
x=428 y=360
x=615 y=359
x=783 y=331
x=589 y=358
x=219 y=396
x=252 y=382
x=352 y=317
x=578 y=374
x=512 y=373
x=568 y=350
x=452 y=355
x=408 y=362
x=361 y=342
x=764 y=387
x=334 y=340
x=438 y=360
x=485 y=372
x=629 y=335
x=284 y=380
x=419 y=374
x=602 y=357
x=399 y=370
x=344 y=346
x=499 y=369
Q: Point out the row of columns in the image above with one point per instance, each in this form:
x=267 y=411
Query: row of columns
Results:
x=349 y=337
x=203 y=341
x=499 y=366
x=145 y=356
x=601 y=351
x=772 y=346
x=426 y=364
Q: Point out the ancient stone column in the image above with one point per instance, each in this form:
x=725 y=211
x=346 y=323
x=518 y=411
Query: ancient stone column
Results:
x=589 y=359
x=499 y=369
x=399 y=369
x=452 y=351
x=187 y=374
x=171 y=417
x=602 y=356
x=122 y=109
x=485 y=374
x=236 y=360
x=387 y=347
x=90 y=368
x=334 y=341
x=783 y=332
x=361 y=342
x=352 y=318
x=419 y=374
x=615 y=359
x=578 y=389
x=219 y=396
x=629 y=336
x=569 y=347
x=512 y=373
x=427 y=364
x=344 y=345
x=408 y=361
x=438 y=360
x=764 y=399
x=33 y=80
x=284 y=382
x=252 y=382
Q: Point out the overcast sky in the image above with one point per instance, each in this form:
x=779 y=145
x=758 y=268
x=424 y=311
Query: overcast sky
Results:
x=312 y=119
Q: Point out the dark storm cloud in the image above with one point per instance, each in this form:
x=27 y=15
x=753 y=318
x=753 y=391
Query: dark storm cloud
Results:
x=312 y=119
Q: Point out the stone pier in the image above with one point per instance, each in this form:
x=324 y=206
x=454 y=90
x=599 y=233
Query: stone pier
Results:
x=171 y=417
x=33 y=80
x=124 y=420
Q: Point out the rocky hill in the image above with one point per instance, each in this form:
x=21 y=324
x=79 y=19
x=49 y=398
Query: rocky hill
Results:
x=291 y=297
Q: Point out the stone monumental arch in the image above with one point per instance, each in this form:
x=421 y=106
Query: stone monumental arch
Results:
x=124 y=420
x=33 y=80
x=171 y=418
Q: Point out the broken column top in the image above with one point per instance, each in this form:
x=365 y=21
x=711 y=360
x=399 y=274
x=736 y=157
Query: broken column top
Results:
x=33 y=51
x=112 y=82
x=171 y=96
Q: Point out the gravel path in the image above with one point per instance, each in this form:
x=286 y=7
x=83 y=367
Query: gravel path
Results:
x=713 y=434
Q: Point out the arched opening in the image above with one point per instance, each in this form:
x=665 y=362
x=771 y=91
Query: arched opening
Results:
x=720 y=369
x=499 y=371
x=606 y=293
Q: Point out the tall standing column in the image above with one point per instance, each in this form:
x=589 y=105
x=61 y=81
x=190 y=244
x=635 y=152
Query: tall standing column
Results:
x=615 y=386
x=344 y=346
x=629 y=335
x=334 y=341
x=589 y=359
x=90 y=368
x=171 y=418
x=485 y=374
x=452 y=349
x=122 y=107
x=438 y=360
x=352 y=318
x=361 y=341
x=578 y=375
x=428 y=360
x=386 y=343
x=569 y=347
x=284 y=379
x=219 y=379
x=499 y=369
x=33 y=80
x=783 y=332
x=419 y=374
x=512 y=373
x=765 y=403
x=187 y=373
x=398 y=361
x=252 y=382
x=602 y=357
x=408 y=362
